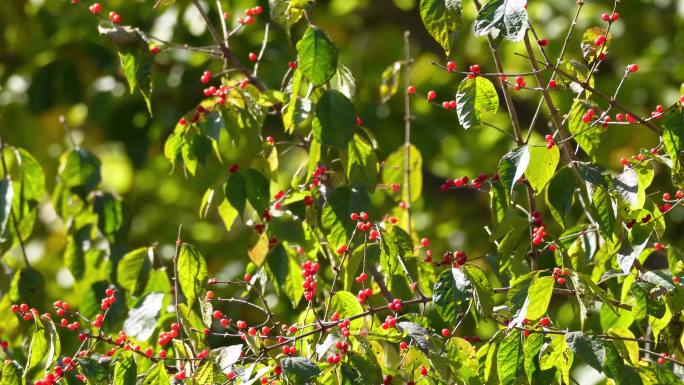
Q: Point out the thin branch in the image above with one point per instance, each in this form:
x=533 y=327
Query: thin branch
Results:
x=407 y=129
x=263 y=49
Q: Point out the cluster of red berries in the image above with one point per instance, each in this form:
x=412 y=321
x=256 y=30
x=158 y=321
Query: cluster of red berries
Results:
x=166 y=337
x=289 y=350
x=474 y=70
x=545 y=321
x=223 y=320
x=250 y=13
x=465 y=180
x=549 y=141
x=362 y=224
x=538 y=234
x=114 y=17
x=316 y=176
x=390 y=322
x=309 y=270
x=361 y=278
x=610 y=17
x=559 y=274
x=519 y=83
x=95 y=8
x=600 y=40
x=451 y=66
x=363 y=294
x=589 y=115
x=473 y=339
x=449 y=104
x=109 y=299
x=457 y=259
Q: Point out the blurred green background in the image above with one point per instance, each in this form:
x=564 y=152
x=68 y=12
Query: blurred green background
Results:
x=52 y=63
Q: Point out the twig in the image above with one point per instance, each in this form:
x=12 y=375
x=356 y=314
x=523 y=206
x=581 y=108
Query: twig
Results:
x=407 y=130
x=263 y=49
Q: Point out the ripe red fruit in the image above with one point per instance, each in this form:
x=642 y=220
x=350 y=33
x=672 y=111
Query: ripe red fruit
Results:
x=96 y=8
x=451 y=66
x=632 y=68
x=543 y=42
x=210 y=295
x=446 y=332
x=411 y=90
x=252 y=56
x=425 y=242
x=180 y=376
x=342 y=249
x=23 y=307
x=431 y=95
x=545 y=321
x=560 y=281
x=241 y=324
x=552 y=84
x=265 y=331
x=661 y=360
x=423 y=371
x=218 y=314
x=247 y=277
x=114 y=17
x=403 y=345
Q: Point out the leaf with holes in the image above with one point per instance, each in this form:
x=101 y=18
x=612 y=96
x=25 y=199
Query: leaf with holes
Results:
x=506 y=18
x=442 y=18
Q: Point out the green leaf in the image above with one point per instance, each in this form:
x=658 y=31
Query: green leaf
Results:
x=542 y=167
x=28 y=286
x=258 y=190
x=157 y=375
x=362 y=164
x=629 y=252
x=347 y=305
x=336 y=211
x=136 y=59
x=390 y=81
x=509 y=17
x=284 y=271
x=673 y=140
x=257 y=253
x=560 y=195
x=510 y=358
x=11 y=374
x=475 y=96
x=79 y=170
x=142 y=319
x=125 y=369
x=627 y=187
x=290 y=109
x=512 y=167
x=6 y=196
x=236 y=192
x=227 y=213
x=590 y=50
x=317 y=56
x=110 y=215
x=299 y=370
x=335 y=121
x=94 y=371
x=556 y=354
x=627 y=345
x=451 y=294
x=442 y=18
x=538 y=298
x=44 y=348
x=77 y=246
x=192 y=273
x=393 y=172
x=483 y=292
x=588 y=138
x=590 y=348
x=284 y=14
x=605 y=212
x=134 y=268
x=364 y=364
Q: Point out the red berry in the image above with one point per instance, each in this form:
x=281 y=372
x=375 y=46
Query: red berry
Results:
x=23 y=307
x=632 y=68
x=431 y=95
x=96 y=8
x=446 y=332
x=411 y=90
x=543 y=42
x=210 y=295
x=342 y=249
x=451 y=66
x=425 y=242
x=403 y=345
x=252 y=56
x=560 y=281
x=241 y=324
x=552 y=84
x=247 y=277
x=218 y=314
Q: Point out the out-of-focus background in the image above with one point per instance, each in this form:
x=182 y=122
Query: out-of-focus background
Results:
x=53 y=62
